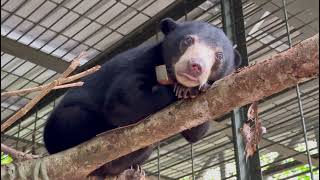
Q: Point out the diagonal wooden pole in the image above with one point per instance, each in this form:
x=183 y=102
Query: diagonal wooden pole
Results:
x=250 y=84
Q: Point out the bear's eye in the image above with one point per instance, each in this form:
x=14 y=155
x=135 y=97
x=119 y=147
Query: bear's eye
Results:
x=189 y=40
x=186 y=42
x=219 y=56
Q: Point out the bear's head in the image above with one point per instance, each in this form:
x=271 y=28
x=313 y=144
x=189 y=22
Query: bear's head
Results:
x=197 y=52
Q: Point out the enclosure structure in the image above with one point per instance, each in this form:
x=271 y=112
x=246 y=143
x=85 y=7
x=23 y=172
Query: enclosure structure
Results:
x=39 y=38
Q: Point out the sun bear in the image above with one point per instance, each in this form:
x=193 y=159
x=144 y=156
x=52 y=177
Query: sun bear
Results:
x=125 y=90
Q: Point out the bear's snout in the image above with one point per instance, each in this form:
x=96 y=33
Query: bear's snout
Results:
x=195 y=67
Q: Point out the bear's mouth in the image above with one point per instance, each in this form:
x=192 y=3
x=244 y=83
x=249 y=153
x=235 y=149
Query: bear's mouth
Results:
x=187 y=79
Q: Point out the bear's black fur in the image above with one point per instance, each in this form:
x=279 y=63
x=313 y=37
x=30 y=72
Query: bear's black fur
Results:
x=125 y=90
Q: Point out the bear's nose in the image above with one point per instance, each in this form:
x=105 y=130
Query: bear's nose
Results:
x=195 y=68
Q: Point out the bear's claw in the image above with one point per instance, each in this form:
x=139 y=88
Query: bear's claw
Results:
x=204 y=87
x=136 y=173
x=185 y=92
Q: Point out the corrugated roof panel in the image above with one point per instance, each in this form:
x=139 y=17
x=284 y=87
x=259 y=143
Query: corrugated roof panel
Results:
x=65 y=28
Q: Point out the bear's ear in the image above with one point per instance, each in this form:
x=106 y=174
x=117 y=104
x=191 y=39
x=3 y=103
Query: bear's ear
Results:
x=167 y=25
x=237 y=58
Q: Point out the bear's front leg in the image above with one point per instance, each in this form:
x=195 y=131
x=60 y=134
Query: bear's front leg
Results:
x=120 y=165
x=134 y=98
x=196 y=133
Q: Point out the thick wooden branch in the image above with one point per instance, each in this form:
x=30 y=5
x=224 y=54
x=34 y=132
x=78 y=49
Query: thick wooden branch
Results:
x=251 y=84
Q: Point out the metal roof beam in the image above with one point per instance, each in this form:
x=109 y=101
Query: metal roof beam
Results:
x=13 y=138
x=35 y=56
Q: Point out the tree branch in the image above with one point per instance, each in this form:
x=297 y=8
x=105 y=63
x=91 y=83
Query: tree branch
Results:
x=39 y=88
x=17 y=154
x=75 y=63
x=59 y=86
x=251 y=84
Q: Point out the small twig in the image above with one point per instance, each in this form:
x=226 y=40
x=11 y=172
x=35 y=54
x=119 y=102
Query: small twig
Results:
x=80 y=75
x=17 y=154
x=59 y=86
x=74 y=64
x=76 y=84
x=39 y=88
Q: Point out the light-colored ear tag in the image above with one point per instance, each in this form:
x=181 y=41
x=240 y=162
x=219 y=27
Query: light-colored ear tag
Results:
x=162 y=75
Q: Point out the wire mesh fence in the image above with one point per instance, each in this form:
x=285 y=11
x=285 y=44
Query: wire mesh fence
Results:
x=62 y=29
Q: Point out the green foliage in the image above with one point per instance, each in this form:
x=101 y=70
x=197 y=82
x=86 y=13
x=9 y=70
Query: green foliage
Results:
x=5 y=159
x=268 y=158
x=296 y=170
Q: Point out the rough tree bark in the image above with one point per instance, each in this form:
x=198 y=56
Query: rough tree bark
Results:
x=250 y=84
